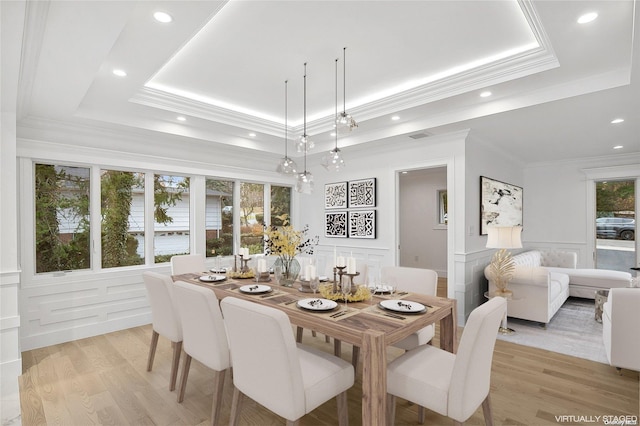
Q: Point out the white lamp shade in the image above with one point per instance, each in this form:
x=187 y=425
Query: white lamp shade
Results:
x=504 y=237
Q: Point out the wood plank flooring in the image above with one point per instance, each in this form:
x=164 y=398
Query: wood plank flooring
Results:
x=103 y=380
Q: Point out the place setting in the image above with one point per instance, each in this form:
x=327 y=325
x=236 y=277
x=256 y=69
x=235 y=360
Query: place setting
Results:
x=399 y=309
x=261 y=290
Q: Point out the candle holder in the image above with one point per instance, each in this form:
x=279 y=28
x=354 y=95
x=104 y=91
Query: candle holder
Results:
x=337 y=270
x=263 y=277
x=354 y=288
x=244 y=263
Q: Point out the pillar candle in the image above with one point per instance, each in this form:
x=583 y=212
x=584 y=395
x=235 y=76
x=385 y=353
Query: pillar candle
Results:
x=351 y=265
x=262 y=265
x=335 y=259
x=340 y=261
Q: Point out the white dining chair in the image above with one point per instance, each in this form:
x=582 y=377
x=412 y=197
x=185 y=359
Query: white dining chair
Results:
x=186 y=263
x=205 y=338
x=165 y=320
x=270 y=368
x=453 y=385
x=414 y=280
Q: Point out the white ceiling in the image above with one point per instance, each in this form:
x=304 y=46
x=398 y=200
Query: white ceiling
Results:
x=556 y=84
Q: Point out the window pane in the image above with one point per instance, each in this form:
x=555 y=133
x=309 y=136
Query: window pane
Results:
x=219 y=217
x=62 y=218
x=171 y=216
x=122 y=208
x=280 y=205
x=252 y=217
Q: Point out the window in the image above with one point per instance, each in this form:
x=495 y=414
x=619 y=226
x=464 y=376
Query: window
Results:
x=252 y=217
x=122 y=210
x=443 y=210
x=280 y=205
x=62 y=237
x=171 y=216
x=219 y=217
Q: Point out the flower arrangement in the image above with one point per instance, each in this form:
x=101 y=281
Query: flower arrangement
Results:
x=286 y=242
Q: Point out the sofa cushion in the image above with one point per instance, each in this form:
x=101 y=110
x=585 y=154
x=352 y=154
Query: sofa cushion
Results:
x=559 y=258
x=596 y=278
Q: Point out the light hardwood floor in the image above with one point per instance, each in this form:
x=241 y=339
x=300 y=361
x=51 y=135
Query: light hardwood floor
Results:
x=103 y=380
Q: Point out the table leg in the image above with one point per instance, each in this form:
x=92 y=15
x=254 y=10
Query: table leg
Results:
x=449 y=331
x=374 y=378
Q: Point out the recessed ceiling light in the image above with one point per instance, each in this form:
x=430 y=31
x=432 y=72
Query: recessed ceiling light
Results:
x=395 y=118
x=617 y=121
x=332 y=134
x=181 y=118
x=618 y=147
x=587 y=17
x=163 y=17
x=405 y=172
x=120 y=73
x=485 y=94
x=253 y=135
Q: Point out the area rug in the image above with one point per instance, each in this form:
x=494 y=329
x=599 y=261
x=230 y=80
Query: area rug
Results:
x=573 y=331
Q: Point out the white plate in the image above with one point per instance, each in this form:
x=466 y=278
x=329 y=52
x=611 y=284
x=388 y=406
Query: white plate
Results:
x=212 y=278
x=255 y=289
x=404 y=306
x=317 y=304
x=383 y=289
x=323 y=278
x=219 y=271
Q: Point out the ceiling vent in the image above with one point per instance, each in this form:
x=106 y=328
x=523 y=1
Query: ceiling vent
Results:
x=420 y=135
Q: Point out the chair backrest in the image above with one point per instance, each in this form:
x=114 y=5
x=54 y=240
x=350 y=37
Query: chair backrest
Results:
x=471 y=376
x=416 y=280
x=203 y=328
x=166 y=320
x=266 y=366
x=185 y=263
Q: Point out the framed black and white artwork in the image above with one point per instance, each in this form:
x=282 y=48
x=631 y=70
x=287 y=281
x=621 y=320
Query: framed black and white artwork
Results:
x=362 y=224
x=335 y=195
x=362 y=193
x=335 y=224
x=500 y=204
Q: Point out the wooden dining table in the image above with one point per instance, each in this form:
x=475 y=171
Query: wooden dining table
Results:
x=363 y=324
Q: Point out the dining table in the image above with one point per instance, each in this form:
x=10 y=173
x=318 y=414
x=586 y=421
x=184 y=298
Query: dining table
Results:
x=365 y=324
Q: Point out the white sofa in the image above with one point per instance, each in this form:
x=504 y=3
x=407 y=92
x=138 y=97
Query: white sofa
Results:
x=543 y=280
x=620 y=324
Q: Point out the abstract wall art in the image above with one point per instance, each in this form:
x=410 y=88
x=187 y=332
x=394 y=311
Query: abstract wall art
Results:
x=335 y=224
x=362 y=193
x=362 y=224
x=500 y=204
x=335 y=195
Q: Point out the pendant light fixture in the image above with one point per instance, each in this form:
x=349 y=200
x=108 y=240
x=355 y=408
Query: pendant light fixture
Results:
x=333 y=160
x=286 y=166
x=304 y=181
x=344 y=122
x=305 y=144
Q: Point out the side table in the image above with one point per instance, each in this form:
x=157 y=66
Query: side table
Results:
x=503 y=326
x=600 y=299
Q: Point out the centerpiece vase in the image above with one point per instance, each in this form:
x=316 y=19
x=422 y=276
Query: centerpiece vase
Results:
x=290 y=269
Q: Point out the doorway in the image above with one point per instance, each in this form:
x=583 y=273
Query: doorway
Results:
x=423 y=221
x=616 y=224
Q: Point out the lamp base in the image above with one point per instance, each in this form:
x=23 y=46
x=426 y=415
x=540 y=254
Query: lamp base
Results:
x=507 y=294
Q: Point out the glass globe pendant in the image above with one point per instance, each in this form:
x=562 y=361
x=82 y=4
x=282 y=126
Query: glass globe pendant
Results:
x=286 y=166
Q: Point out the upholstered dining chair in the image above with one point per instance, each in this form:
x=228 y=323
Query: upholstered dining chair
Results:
x=205 y=338
x=270 y=368
x=453 y=385
x=165 y=320
x=415 y=280
x=185 y=263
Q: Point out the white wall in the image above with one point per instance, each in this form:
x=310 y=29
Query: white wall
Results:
x=558 y=212
x=382 y=160
x=423 y=241
x=11 y=29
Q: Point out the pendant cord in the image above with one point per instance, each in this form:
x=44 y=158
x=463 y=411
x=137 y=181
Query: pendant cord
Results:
x=336 y=119
x=344 y=79
x=286 y=97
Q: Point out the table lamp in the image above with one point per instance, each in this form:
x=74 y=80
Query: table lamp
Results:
x=501 y=268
